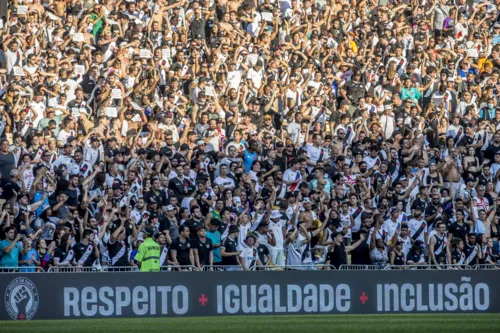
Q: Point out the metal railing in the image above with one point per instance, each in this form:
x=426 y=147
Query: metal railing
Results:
x=72 y=269
x=179 y=268
x=21 y=270
x=429 y=267
x=487 y=266
x=222 y=268
x=359 y=267
x=228 y=268
x=319 y=267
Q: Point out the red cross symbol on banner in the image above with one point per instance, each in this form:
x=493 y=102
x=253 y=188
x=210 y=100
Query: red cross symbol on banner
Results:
x=202 y=300
x=363 y=298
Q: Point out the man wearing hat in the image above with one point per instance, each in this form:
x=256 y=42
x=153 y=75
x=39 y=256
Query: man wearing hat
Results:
x=93 y=152
x=277 y=223
x=353 y=90
x=228 y=248
x=248 y=256
x=148 y=256
x=416 y=254
x=387 y=121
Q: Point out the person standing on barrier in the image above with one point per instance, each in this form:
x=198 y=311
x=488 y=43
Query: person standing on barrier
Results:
x=148 y=256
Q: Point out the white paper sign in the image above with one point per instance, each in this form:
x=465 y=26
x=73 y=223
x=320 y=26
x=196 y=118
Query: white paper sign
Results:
x=116 y=93
x=136 y=118
x=21 y=10
x=145 y=53
x=267 y=16
x=234 y=79
x=111 y=112
x=18 y=71
x=78 y=37
x=52 y=16
x=165 y=53
x=79 y=69
x=75 y=112
x=332 y=43
x=135 y=105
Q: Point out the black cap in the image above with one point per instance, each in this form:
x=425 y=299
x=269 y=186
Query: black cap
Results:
x=418 y=244
x=149 y=231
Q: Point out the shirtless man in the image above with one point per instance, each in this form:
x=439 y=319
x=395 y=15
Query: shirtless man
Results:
x=60 y=7
x=451 y=172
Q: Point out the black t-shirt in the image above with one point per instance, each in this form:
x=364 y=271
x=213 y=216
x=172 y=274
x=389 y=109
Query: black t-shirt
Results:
x=491 y=151
x=413 y=257
x=193 y=226
x=361 y=254
x=230 y=245
x=73 y=196
x=204 y=249
x=338 y=256
x=458 y=230
x=182 y=248
x=263 y=252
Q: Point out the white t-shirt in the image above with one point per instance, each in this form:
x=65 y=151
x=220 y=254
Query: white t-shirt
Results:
x=11 y=59
x=38 y=110
x=290 y=176
x=224 y=182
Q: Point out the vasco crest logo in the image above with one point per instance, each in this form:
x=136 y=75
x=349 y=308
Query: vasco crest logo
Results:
x=21 y=299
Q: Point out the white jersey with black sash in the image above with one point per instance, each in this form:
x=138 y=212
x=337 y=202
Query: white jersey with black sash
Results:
x=249 y=256
x=355 y=212
x=306 y=250
x=294 y=252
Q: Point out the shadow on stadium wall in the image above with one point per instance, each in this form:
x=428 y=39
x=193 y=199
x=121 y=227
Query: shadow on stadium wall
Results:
x=97 y=295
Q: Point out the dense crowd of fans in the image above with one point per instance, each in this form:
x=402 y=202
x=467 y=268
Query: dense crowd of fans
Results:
x=243 y=133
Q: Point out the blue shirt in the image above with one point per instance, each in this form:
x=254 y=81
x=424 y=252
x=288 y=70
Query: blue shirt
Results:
x=32 y=254
x=10 y=259
x=215 y=238
x=248 y=159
